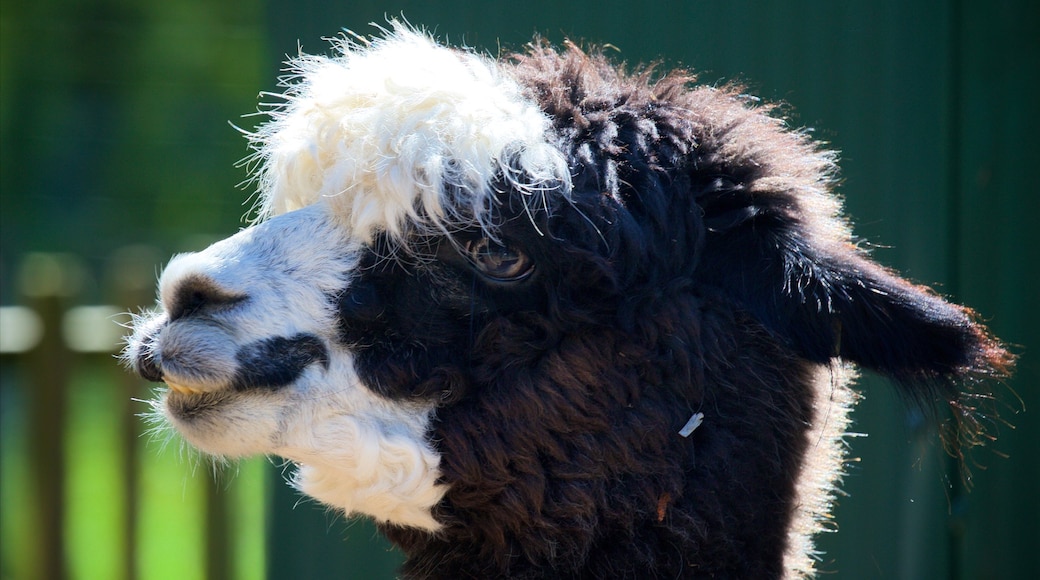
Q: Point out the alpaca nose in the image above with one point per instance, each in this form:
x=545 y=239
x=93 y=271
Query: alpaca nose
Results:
x=196 y=295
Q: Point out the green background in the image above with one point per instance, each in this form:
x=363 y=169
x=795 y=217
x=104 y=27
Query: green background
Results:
x=115 y=131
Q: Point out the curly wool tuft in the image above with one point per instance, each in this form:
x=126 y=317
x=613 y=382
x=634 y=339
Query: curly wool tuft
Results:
x=400 y=134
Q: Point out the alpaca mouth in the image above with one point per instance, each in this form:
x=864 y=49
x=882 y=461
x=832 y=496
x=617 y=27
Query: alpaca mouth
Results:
x=265 y=365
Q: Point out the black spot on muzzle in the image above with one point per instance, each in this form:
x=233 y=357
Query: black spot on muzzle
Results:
x=276 y=362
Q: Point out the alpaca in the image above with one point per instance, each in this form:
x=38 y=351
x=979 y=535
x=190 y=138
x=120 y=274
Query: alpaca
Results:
x=544 y=317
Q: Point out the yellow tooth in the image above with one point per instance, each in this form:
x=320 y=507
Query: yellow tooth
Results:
x=182 y=390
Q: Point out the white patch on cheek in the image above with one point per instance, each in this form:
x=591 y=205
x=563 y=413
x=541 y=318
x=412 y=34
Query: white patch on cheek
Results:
x=390 y=479
x=363 y=454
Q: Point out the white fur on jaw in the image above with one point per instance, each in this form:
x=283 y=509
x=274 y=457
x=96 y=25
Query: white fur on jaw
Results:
x=401 y=133
x=362 y=453
x=357 y=451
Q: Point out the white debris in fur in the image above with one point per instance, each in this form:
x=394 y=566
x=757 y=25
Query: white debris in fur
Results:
x=691 y=425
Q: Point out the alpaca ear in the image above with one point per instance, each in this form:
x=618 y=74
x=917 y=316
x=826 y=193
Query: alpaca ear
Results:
x=821 y=295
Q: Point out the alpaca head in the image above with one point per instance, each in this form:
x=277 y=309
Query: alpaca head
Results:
x=328 y=333
x=484 y=298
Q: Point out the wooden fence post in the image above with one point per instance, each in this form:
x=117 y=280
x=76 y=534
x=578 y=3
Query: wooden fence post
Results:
x=130 y=279
x=48 y=283
x=218 y=543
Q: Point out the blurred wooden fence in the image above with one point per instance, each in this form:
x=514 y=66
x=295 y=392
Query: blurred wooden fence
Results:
x=47 y=338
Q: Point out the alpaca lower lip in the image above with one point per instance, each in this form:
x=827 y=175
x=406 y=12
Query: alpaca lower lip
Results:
x=188 y=405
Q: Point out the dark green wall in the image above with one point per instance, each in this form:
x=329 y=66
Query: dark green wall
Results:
x=933 y=106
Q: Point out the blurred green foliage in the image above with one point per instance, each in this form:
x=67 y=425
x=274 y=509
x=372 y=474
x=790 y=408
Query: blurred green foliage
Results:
x=111 y=117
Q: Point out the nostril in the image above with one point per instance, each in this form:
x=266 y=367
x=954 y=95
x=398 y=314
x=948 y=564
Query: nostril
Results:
x=148 y=369
x=198 y=294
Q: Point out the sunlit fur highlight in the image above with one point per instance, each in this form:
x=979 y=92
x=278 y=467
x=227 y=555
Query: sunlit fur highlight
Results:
x=822 y=471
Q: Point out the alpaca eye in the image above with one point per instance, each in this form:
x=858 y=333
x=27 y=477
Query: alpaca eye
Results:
x=497 y=261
